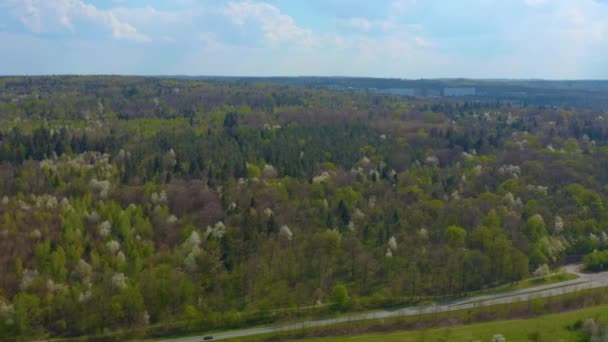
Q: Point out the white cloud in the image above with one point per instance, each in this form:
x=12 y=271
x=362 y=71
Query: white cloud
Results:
x=400 y=38
x=163 y=26
x=366 y=25
x=354 y=52
x=150 y=16
x=276 y=26
x=51 y=16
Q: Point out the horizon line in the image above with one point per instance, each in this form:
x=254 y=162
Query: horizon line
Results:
x=308 y=76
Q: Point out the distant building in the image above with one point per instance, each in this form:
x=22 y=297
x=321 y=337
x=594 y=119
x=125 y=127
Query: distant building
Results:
x=459 y=91
x=432 y=93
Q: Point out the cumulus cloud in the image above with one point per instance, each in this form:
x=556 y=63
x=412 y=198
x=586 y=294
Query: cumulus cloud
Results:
x=42 y=16
x=276 y=26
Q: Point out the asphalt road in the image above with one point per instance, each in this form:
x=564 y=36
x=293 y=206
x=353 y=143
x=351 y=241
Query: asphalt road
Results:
x=586 y=281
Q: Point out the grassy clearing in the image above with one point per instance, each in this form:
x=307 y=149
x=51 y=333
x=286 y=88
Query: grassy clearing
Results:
x=554 y=327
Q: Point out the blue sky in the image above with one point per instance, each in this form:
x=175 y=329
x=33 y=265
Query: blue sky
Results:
x=553 y=39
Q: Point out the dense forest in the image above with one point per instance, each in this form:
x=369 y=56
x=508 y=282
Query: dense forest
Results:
x=150 y=203
x=586 y=94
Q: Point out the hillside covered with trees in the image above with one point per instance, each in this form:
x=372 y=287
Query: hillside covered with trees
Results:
x=157 y=205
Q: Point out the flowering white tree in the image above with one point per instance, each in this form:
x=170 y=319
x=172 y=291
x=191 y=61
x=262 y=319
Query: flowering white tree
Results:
x=389 y=253
x=92 y=217
x=269 y=171
x=27 y=278
x=555 y=246
x=432 y=161
x=119 y=281
x=321 y=178
x=113 y=246
x=512 y=171
x=172 y=219
x=559 y=224
x=392 y=243
x=190 y=260
x=358 y=214
x=7 y=312
x=105 y=228
x=83 y=270
x=371 y=202
x=217 y=231
x=423 y=233
x=476 y=171
x=542 y=271
x=121 y=259
x=286 y=232
x=102 y=186
x=159 y=198
x=193 y=240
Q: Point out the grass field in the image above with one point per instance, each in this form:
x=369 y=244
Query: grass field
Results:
x=554 y=328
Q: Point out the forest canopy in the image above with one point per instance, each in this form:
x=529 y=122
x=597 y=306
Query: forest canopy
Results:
x=153 y=203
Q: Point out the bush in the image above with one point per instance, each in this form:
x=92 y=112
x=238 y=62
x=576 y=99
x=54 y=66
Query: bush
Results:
x=537 y=305
x=339 y=297
x=596 y=261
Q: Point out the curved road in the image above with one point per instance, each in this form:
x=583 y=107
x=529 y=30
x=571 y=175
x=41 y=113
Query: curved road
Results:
x=586 y=281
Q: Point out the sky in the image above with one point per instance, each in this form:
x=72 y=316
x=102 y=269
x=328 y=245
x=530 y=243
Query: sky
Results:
x=549 y=39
